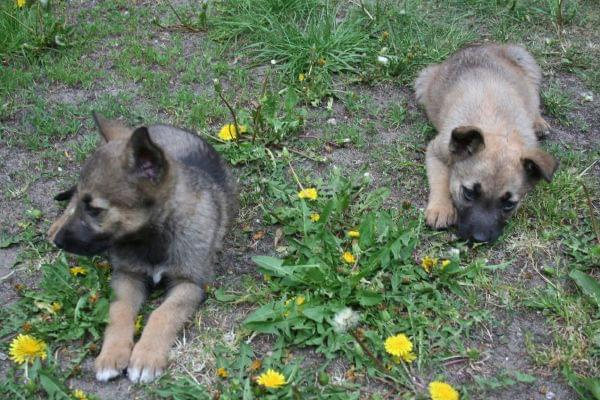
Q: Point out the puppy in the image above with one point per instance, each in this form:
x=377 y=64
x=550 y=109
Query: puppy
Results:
x=484 y=103
x=157 y=200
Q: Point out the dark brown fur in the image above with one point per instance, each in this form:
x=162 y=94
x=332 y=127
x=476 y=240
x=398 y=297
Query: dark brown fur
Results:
x=484 y=103
x=157 y=200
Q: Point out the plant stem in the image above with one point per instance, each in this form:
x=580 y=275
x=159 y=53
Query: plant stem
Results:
x=368 y=352
x=592 y=216
x=233 y=115
x=295 y=176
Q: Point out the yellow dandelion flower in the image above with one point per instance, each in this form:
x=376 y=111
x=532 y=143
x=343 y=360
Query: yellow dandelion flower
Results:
x=300 y=300
x=445 y=263
x=228 y=132
x=308 y=193
x=409 y=357
x=399 y=345
x=354 y=234
x=138 y=324
x=56 y=307
x=301 y=77
x=314 y=217
x=348 y=257
x=26 y=348
x=222 y=373
x=20 y=3
x=77 y=270
x=80 y=394
x=271 y=379
x=428 y=263
x=442 y=391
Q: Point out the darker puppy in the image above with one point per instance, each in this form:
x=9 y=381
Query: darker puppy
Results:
x=157 y=200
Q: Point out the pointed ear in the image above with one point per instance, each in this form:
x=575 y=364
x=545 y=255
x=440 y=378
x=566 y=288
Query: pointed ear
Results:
x=539 y=164
x=111 y=129
x=66 y=195
x=144 y=158
x=466 y=141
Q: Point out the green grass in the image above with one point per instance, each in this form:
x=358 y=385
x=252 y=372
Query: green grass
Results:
x=31 y=30
x=557 y=103
x=118 y=61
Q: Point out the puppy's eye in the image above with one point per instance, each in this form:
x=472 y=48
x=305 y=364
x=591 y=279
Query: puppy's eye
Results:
x=508 y=205
x=93 y=211
x=468 y=194
x=89 y=208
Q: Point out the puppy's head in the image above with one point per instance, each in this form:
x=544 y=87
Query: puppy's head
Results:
x=118 y=191
x=488 y=180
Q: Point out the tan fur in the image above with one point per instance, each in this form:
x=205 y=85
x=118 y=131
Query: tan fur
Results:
x=118 y=336
x=111 y=129
x=64 y=217
x=492 y=89
x=152 y=349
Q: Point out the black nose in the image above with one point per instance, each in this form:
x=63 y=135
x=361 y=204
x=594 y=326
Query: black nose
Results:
x=481 y=237
x=59 y=240
x=485 y=235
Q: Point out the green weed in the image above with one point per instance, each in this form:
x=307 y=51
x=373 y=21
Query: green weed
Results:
x=557 y=103
x=66 y=308
x=31 y=29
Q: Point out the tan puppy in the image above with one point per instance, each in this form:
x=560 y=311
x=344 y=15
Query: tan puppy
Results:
x=157 y=200
x=484 y=103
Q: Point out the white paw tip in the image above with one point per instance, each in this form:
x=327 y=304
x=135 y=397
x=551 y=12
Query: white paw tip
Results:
x=136 y=375
x=148 y=376
x=106 y=374
x=133 y=374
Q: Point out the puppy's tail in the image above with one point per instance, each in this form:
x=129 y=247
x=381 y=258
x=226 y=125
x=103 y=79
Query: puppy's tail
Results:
x=423 y=82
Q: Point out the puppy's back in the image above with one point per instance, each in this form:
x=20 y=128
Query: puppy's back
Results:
x=202 y=168
x=482 y=64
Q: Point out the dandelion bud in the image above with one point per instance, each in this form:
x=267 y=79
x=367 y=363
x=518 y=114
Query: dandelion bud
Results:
x=217 y=84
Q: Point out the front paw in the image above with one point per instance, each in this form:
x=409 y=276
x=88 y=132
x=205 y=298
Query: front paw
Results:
x=147 y=363
x=111 y=362
x=440 y=216
x=541 y=127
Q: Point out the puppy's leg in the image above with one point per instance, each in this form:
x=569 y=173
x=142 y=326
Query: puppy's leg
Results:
x=440 y=212
x=541 y=127
x=149 y=357
x=130 y=293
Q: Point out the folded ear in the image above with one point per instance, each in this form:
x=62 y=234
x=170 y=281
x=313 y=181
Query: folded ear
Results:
x=66 y=195
x=111 y=129
x=539 y=164
x=466 y=141
x=145 y=159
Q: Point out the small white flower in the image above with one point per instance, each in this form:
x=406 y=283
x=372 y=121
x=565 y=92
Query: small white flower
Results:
x=345 y=319
x=383 y=60
x=229 y=337
x=273 y=62
x=587 y=96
